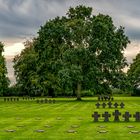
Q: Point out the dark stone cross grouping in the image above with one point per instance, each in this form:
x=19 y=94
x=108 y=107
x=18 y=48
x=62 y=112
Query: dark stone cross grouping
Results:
x=105 y=98
x=28 y=98
x=11 y=99
x=116 y=115
x=45 y=101
x=6 y=99
x=110 y=105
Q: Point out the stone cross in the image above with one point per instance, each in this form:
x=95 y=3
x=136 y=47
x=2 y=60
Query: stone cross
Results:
x=37 y=101
x=46 y=100
x=99 y=97
x=41 y=101
x=53 y=101
x=109 y=104
x=122 y=105
x=105 y=97
x=97 y=105
x=102 y=98
x=126 y=116
x=95 y=116
x=104 y=105
x=106 y=116
x=50 y=101
x=116 y=105
x=137 y=116
x=116 y=115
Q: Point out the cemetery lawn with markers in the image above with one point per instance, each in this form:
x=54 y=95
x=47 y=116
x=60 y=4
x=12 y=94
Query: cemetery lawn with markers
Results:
x=66 y=119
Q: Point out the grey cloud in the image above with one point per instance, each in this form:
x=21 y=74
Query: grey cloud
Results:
x=24 y=17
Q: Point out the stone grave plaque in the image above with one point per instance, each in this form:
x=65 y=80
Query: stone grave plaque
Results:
x=74 y=126
x=40 y=130
x=130 y=126
x=71 y=131
x=102 y=131
x=48 y=126
x=101 y=126
x=10 y=130
x=135 y=132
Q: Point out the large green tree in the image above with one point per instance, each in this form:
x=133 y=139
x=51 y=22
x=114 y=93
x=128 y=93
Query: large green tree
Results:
x=134 y=72
x=4 y=81
x=96 y=55
x=79 y=51
x=25 y=70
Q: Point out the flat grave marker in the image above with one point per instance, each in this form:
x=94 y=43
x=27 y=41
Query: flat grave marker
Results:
x=40 y=130
x=10 y=130
x=102 y=131
x=71 y=131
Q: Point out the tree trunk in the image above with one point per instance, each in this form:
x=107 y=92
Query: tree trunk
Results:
x=78 y=91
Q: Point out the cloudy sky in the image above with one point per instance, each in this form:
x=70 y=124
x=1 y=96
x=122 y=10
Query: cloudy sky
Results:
x=21 y=19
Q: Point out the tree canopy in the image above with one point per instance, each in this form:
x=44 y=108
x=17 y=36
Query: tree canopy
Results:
x=74 y=52
x=134 y=72
x=4 y=81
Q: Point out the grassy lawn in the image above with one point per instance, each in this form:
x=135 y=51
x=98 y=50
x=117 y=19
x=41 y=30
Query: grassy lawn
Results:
x=56 y=119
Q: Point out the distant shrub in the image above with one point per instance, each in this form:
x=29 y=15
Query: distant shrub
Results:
x=87 y=93
x=136 y=92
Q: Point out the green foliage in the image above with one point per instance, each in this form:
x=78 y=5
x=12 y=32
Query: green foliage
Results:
x=4 y=81
x=25 y=70
x=136 y=91
x=134 y=72
x=79 y=51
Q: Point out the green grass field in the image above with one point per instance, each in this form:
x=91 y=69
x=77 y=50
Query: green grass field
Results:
x=56 y=119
